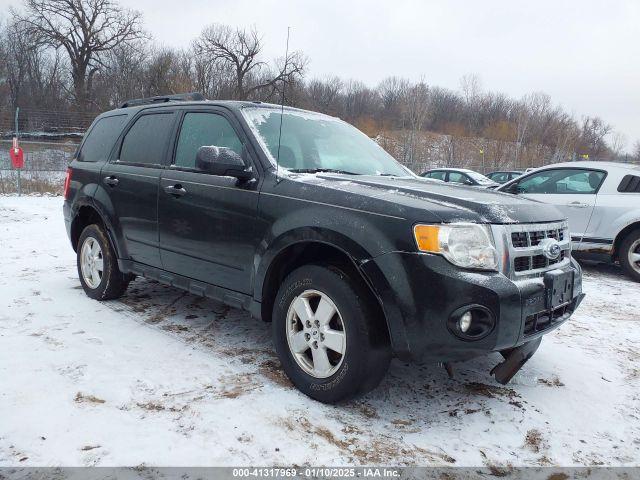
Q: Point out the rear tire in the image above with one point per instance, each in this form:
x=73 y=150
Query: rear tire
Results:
x=629 y=255
x=98 y=269
x=329 y=334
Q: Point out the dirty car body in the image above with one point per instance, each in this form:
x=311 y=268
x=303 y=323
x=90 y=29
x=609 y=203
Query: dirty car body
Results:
x=235 y=237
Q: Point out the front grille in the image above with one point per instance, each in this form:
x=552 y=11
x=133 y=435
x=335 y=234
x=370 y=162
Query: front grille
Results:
x=520 y=239
x=522 y=264
x=526 y=253
x=534 y=237
x=541 y=321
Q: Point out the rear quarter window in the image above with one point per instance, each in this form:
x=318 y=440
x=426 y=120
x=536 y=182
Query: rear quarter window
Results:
x=100 y=139
x=629 y=184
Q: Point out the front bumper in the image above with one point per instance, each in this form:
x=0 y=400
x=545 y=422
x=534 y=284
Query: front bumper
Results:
x=419 y=292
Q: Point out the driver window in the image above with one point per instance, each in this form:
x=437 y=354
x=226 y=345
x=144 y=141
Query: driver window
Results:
x=562 y=181
x=457 y=177
x=200 y=129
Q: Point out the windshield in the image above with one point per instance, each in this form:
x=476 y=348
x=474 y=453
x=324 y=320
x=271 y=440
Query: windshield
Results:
x=313 y=142
x=478 y=177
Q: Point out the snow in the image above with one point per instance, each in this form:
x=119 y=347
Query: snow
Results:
x=162 y=377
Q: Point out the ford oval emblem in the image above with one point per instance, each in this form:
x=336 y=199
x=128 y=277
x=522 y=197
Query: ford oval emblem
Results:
x=550 y=248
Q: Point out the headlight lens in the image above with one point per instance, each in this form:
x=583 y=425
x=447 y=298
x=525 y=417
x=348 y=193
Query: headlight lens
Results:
x=466 y=245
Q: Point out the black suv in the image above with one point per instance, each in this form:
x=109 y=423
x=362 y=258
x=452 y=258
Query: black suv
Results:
x=308 y=224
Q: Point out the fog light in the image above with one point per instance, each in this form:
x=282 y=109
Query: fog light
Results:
x=465 y=321
x=471 y=322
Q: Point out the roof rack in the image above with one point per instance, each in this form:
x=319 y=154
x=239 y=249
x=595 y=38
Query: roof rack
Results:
x=182 y=97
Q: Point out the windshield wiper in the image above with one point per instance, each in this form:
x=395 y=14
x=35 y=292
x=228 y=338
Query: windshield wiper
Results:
x=321 y=170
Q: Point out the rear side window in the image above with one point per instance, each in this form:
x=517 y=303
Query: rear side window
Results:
x=145 y=142
x=435 y=175
x=200 y=129
x=101 y=138
x=499 y=177
x=629 y=184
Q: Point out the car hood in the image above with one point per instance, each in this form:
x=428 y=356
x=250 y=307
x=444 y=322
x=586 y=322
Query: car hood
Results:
x=420 y=199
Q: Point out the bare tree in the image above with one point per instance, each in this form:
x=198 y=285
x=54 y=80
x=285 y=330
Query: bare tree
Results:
x=85 y=29
x=324 y=94
x=240 y=50
x=416 y=110
x=636 y=152
x=33 y=76
x=618 y=144
x=592 y=142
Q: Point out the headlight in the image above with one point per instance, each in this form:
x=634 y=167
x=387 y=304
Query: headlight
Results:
x=466 y=245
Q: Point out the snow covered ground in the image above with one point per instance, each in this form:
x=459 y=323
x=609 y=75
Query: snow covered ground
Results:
x=162 y=377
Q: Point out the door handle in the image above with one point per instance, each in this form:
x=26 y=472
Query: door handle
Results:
x=111 y=180
x=175 y=190
x=578 y=204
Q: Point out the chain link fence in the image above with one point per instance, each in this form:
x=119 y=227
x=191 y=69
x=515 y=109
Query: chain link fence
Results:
x=45 y=165
x=45 y=125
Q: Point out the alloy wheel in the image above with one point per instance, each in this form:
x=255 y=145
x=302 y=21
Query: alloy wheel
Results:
x=634 y=255
x=91 y=262
x=316 y=335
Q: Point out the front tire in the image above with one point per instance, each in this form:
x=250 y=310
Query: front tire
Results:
x=329 y=334
x=629 y=255
x=98 y=269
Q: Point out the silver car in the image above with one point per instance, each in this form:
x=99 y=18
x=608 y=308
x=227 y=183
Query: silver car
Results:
x=601 y=201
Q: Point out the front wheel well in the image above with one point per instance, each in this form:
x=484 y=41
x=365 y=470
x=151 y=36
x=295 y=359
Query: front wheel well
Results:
x=86 y=216
x=621 y=236
x=305 y=253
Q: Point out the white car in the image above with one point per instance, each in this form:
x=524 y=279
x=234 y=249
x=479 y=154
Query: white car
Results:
x=601 y=201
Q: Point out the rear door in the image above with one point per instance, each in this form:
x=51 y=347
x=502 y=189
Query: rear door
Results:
x=208 y=229
x=573 y=190
x=131 y=182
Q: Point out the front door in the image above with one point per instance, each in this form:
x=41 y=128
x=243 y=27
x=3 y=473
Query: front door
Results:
x=131 y=183
x=207 y=222
x=572 y=190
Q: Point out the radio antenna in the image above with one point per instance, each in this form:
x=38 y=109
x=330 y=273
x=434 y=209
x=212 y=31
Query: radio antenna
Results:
x=284 y=85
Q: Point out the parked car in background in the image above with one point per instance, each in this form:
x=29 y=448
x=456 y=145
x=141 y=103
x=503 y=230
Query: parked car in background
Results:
x=462 y=176
x=503 y=176
x=601 y=201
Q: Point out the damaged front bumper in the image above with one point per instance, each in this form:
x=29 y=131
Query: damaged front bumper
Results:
x=422 y=293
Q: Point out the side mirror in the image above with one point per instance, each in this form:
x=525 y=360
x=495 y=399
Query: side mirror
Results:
x=222 y=161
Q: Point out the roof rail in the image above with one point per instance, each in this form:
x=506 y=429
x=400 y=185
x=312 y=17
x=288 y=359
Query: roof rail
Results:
x=181 y=97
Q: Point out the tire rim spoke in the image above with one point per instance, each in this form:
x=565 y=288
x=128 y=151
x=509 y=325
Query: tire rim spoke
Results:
x=321 y=364
x=325 y=311
x=334 y=339
x=299 y=343
x=99 y=263
x=303 y=309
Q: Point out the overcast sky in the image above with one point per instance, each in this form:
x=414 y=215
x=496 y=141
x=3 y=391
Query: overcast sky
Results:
x=584 y=53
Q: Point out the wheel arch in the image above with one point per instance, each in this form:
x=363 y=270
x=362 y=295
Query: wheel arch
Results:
x=622 y=234
x=299 y=247
x=85 y=215
x=304 y=246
